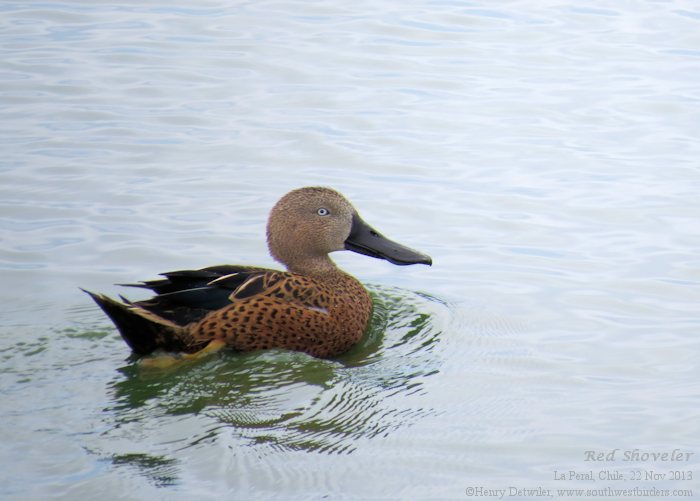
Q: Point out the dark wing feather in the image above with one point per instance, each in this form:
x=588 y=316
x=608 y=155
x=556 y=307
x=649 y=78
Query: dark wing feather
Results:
x=187 y=296
x=191 y=279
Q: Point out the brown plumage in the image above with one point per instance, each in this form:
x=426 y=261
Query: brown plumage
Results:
x=313 y=307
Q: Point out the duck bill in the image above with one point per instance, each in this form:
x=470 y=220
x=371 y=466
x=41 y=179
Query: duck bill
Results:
x=366 y=240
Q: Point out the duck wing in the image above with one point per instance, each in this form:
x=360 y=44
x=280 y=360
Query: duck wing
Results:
x=186 y=296
x=180 y=280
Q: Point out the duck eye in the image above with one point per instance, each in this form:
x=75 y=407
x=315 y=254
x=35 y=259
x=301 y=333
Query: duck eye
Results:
x=323 y=211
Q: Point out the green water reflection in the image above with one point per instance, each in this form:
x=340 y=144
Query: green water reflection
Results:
x=276 y=399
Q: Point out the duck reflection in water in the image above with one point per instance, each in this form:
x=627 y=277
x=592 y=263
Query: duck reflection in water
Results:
x=280 y=399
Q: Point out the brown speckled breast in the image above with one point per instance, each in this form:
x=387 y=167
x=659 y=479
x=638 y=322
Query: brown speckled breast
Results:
x=320 y=316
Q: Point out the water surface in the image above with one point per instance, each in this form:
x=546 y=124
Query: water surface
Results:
x=544 y=153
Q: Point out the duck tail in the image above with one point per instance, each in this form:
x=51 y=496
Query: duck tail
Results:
x=142 y=330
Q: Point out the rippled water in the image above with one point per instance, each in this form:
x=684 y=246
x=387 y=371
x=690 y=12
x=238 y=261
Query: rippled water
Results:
x=546 y=154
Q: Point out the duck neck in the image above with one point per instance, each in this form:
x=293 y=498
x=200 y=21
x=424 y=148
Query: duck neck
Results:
x=315 y=266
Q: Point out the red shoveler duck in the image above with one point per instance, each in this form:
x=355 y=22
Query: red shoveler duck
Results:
x=313 y=307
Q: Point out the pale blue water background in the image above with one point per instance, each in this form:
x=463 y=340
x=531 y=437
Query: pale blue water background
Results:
x=545 y=153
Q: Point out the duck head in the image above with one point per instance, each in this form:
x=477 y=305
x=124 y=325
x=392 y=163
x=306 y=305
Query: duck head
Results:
x=309 y=223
